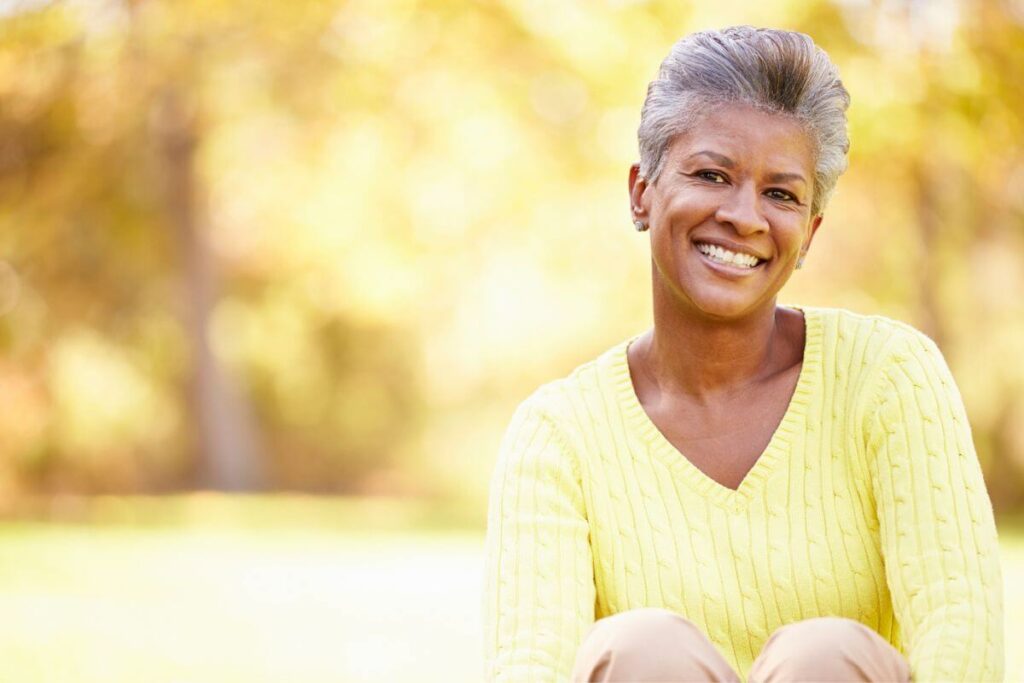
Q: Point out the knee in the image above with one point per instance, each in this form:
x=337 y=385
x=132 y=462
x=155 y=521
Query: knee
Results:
x=824 y=648
x=648 y=644
x=816 y=637
x=639 y=628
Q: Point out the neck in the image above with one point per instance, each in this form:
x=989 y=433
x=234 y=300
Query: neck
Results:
x=693 y=355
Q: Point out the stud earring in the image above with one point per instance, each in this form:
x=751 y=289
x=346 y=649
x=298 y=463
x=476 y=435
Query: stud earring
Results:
x=639 y=225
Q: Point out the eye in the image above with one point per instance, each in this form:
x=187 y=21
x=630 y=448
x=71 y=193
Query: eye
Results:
x=781 y=195
x=711 y=176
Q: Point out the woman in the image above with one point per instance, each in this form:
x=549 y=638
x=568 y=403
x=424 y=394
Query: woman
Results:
x=745 y=490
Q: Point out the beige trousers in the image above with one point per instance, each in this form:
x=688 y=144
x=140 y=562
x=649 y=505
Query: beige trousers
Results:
x=651 y=644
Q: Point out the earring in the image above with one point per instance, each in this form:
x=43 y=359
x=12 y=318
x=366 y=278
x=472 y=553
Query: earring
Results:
x=800 y=262
x=639 y=225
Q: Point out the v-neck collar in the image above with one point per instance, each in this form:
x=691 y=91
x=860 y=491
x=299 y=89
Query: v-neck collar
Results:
x=778 y=446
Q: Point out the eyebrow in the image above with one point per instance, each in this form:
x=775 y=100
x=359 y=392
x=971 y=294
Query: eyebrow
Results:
x=714 y=156
x=785 y=177
x=729 y=163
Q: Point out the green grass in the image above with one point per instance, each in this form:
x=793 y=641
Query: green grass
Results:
x=211 y=589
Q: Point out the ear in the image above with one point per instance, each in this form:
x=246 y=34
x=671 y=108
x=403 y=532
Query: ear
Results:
x=815 y=224
x=637 y=186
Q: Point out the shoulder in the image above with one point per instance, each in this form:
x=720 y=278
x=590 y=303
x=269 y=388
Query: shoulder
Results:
x=889 y=366
x=876 y=339
x=561 y=400
x=548 y=427
x=861 y=355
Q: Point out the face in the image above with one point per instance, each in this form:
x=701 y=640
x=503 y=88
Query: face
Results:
x=730 y=213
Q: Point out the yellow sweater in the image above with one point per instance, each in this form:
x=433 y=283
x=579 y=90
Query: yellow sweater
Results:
x=868 y=503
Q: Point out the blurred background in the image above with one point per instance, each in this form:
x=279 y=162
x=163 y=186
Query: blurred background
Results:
x=273 y=277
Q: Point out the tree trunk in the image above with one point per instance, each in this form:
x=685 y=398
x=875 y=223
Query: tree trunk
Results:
x=229 y=451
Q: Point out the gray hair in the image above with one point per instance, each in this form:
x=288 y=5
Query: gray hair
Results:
x=777 y=71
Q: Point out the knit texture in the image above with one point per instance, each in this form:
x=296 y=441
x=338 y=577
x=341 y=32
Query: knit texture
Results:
x=868 y=503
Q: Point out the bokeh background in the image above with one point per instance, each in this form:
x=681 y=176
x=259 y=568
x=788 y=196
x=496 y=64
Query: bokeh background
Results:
x=273 y=277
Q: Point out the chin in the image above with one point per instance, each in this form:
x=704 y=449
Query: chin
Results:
x=715 y=299
x=722 y=306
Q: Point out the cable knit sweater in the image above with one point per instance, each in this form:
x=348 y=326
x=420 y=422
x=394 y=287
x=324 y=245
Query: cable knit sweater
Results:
x=867 y=503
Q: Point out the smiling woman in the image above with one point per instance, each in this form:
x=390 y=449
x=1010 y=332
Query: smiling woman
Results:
x=745 y=490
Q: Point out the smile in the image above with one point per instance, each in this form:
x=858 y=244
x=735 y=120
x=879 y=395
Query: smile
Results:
x=717 y=254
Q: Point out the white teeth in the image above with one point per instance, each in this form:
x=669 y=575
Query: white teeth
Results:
x=732 y=258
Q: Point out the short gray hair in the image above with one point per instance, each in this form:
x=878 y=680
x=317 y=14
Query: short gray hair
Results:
x=777 y=71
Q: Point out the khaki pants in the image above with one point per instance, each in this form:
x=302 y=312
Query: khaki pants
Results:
x=652 y=644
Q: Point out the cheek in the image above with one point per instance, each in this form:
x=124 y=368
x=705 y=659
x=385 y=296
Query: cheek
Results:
x=789 y=228
x=665 y=252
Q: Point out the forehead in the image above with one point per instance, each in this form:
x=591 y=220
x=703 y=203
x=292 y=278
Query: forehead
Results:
x=750 y=137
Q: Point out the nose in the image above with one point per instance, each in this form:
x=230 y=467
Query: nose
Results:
x=741 y=210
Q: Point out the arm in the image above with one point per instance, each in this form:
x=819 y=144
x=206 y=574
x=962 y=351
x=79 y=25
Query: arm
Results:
x=937 y=531
x=538 y=576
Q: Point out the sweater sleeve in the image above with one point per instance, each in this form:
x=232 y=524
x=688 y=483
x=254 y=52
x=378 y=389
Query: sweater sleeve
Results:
x=938 y=535
x=538 y=572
